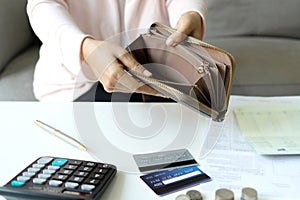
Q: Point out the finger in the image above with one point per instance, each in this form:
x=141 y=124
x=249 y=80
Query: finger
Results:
x=183 y=28
x=115 y=79
x=129 y=84
x=131 y=63
x=145 y=89
x=185 y=25
x=121 y=88
x=111 y=76
x=189 y=24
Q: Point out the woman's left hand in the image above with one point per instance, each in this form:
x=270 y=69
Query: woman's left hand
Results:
x=190 y=23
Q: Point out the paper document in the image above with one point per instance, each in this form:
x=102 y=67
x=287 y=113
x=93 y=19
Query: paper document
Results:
x=271 y=129
x=233 y=164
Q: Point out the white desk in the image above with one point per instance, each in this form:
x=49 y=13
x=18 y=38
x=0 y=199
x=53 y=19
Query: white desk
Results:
x=22 y=141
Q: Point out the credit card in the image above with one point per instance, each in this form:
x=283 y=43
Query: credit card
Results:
x=167 y=181
x=164 y=160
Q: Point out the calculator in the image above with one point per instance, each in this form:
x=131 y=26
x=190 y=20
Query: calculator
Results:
x=60 y=178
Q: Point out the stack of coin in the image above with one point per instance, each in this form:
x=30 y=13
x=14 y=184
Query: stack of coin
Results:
x=183 y=197
x=194 y=195
x=190 y=195
x=224 y=194
x=249 y=194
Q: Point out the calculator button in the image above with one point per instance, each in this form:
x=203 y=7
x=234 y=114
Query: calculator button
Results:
x=75 y=162
x=59 y=162
x=97 y=176
x=33 y=170
x=28 y=174
x=101 y=171
x=87 y=187
x=93 y=181
x=48 y=171
x=60 y=177
x=71 y=167
x=82 y=174
x=38 y=166
x=16 y=183
x=66 y=172
x=39 y=181
x=90 y=164
x=55 y=168
x=44 y=160
x=104 y=166
x=44 y=176
x=76 y=179
x=23 y=178
x=71 y=185
x=85 y=169
x=55 y=183
x=72 y=192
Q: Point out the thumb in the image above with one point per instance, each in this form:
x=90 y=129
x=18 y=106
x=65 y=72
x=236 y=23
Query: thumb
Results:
x=182 y=30
x=175 y=38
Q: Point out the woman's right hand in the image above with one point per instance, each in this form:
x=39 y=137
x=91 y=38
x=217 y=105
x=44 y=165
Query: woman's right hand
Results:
x=108 y=61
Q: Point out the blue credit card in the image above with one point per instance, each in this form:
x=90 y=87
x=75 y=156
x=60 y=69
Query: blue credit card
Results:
x=164 y=160
x=167 y=181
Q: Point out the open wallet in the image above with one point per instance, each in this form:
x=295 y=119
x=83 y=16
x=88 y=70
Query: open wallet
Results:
x=194 y=73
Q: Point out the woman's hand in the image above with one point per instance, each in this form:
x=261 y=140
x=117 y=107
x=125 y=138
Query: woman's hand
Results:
x=107 y=62
x=190 y=23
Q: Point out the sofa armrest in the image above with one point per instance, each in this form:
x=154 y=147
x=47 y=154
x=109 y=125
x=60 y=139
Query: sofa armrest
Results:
x=16 y=33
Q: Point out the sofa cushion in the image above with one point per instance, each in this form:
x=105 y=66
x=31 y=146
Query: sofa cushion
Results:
x=15 y=30
x=253 y=17
x=264 y=66
x=16 y=79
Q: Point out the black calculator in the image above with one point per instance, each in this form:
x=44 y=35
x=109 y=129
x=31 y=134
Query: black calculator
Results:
x=60 y=178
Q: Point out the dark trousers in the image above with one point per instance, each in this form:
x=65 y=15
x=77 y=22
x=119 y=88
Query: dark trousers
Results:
x=98 y=94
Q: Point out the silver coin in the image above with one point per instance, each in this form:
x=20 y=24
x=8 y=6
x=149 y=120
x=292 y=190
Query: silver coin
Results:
x=249 y=194
x=194 y=194
x=224 y=194
x=183 y=197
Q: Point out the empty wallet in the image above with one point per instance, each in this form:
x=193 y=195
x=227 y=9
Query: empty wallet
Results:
x=193 y=72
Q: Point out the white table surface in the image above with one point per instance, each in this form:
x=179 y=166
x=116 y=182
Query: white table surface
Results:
x=22 y=141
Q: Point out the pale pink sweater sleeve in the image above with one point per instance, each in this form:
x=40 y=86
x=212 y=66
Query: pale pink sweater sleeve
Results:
x=53 y=24
x=59 y=75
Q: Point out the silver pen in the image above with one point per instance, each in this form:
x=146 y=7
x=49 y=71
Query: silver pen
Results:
x=60 y=135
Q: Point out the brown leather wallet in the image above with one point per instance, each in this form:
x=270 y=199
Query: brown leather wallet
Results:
x=193 y=72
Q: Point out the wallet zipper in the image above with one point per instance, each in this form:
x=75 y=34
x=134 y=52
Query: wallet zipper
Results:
x=203 y=65
x=175 y=93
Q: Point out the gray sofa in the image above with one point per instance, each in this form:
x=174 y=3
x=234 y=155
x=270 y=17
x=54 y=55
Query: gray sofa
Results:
x=264 y=38
x=18 y=52
x=262 y=35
